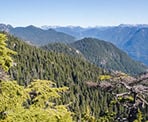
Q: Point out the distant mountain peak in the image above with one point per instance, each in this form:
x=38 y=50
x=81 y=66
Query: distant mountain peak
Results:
x=133 y=25
x=31 y=26
x=38 y=36
x=4 y=27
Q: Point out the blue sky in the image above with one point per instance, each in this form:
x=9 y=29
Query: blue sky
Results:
x=73 y=12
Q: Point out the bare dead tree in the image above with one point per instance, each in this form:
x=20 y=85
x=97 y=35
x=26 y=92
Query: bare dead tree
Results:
x=134 y=97
x=3 y=75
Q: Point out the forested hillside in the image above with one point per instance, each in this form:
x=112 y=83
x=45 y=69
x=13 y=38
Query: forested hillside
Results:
x=63 y=48
x=86 y=103
x=101 y=53
x=33 y=103
x=35 y=63
x=130 y=38
x=106 y=55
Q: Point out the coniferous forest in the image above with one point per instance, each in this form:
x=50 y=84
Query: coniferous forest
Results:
x=40 y=85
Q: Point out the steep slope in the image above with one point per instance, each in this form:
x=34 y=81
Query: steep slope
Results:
x=63 y=48
x=117 y=35
x=35 y=63
x=108 y=56
x=38 y=36
x=121 y=36
x=137 y=45
x=114 y=34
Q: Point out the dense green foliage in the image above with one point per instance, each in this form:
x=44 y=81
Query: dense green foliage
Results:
x=63 y=48
x=108 y=56
x=35 y=63
x=48 y=65
x=31 y=104
x=101 y=53
x=88 y=104
x=5 y=59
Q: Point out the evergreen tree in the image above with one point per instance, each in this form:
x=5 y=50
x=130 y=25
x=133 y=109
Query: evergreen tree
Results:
x=5 y=59
x=33 y=103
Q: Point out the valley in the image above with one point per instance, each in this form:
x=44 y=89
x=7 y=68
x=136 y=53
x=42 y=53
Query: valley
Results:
x=78 y=65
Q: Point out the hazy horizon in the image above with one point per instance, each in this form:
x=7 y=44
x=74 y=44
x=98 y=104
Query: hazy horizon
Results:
x=84 y=13
x=54 y=26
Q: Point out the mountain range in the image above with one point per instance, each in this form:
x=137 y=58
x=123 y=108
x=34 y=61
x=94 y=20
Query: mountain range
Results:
x=37 y=36
x=101 y=53
x=77 y=64
x=32 y=62
x=133 y=39
x=107 y=55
